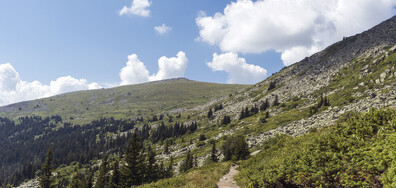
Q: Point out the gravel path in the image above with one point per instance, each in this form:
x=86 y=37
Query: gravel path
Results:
x=227 y=181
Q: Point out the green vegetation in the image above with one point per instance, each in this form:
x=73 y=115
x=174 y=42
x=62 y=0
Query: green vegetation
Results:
x=205 y=176
x=46 y=178
x=358 y=152
x=235 y=148
x=348 y=79
x=124 y=102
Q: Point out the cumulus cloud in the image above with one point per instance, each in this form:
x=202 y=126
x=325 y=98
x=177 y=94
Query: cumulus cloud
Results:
x=138 y=8
x=237 y=69
x=172 y=67
x=135 y=71
x=162 y=29
x=294 y=28
x=14 y=89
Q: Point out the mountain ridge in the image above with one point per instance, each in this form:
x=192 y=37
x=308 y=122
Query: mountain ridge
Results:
x=127 y=97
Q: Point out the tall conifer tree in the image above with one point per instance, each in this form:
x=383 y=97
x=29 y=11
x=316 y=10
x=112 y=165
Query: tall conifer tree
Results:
x=115 y=179
x=46 y=178
x=213 y=156
x=102 y=180
x=132 y=166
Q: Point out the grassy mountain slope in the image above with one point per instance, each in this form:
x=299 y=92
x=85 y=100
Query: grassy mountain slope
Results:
x=125 y=101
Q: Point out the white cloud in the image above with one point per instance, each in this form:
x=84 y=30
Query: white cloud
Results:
x=138 y=8
x=238 y=70
x=135 y=71
x=13 y=89
x=8 y=77
x=294 y=28
x=162 y=29
x=172 y=67
x=68 y=84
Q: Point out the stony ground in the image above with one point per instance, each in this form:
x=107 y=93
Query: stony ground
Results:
x=227 y=181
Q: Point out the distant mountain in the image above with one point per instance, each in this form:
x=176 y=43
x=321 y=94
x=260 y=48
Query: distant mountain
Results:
x=125 y=101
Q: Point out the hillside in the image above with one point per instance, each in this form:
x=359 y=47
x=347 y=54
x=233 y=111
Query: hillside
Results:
x=337 y=105
x=174 y=95
x=354 y=75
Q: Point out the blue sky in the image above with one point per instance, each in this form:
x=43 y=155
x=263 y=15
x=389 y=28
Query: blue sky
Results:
x=44 y=40
x=52 y=47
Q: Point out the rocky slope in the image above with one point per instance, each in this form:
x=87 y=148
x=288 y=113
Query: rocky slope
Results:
x=317 y=71
x=311 y=77
x=357 y=74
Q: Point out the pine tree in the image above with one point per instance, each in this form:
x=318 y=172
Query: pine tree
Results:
x=242 y=115
x=155 y=118
x=226 y=120
x=267 y=115
x=188 y=163
x=151 y=168
x=77 y=180
x=213 y=156
x=327 y=102
x=247 y=112
x=131 y=169
x=166 y=147
x=89 y=180
x=210 y=114
x=102 y=179
x=169 y=171
x=46 y=178
x=321 y=102
x=202 y=137
x=161 y=171
x=271 y=86
x=195 y=160
x=115 y=179
x=276 y=101
x=265 y=105
x=241 y=150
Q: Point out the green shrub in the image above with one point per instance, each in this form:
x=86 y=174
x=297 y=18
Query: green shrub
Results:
x=357 y=152
x=199 y=143
x=235 y=148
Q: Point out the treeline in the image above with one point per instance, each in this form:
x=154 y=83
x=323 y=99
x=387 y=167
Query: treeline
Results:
x=163 y=132
x=23 y=144
x=136 y=166
x=322 y=102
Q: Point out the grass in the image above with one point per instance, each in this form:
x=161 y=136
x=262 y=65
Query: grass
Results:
x=123 y=102
x=206 y=176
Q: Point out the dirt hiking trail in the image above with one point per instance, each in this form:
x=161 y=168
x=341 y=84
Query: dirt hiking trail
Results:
x=227 y=181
